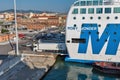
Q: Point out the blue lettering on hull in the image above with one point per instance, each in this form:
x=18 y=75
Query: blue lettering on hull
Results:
x=111 y=34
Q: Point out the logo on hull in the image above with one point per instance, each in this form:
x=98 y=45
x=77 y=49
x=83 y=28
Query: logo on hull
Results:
x=111 y=34
x=72 y=28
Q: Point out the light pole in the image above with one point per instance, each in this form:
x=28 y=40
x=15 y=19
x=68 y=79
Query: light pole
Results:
x=15 y=15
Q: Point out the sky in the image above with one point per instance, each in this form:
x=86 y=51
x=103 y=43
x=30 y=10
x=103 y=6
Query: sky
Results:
x=42 y=5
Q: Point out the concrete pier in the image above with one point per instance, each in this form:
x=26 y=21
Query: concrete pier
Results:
x=31 y=67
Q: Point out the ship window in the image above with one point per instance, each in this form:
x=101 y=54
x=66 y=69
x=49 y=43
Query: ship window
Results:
x=99 y=25
x=89 y=3
x=74 y=25
x=114 y=40
x=95 y=2
x=99 y=10
x=115 y=33
x=107 y=10
x=108 y=17
x=97 y=33
x=76 y=40
x=76 y=4
x=99 y=17
x=74 y=18
x=108 y=2
x=116 y=17
x=91 y=17
x=83 y=18
x=75 y=11
x=117 y=10
x=105 y=40
x=83 y=11
x=97 y=40
x=89 y=32
x=91 y=10
x=100 y=2
x=82 y=3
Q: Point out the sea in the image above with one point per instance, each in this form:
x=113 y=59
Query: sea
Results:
x=76 y=71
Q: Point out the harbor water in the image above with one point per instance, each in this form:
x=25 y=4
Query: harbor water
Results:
x=75 y=71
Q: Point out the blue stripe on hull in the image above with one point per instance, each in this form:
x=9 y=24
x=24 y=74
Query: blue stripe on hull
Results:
x=79 y=60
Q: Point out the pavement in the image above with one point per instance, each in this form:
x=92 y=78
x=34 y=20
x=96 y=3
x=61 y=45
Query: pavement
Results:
x=4 y=43
x=32 y=67
x=4 y=49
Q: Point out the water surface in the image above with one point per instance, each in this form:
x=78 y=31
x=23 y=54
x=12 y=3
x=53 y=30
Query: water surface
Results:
x=75 y=71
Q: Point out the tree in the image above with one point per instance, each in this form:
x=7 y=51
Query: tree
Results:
x=4 y=31
x=1 y=23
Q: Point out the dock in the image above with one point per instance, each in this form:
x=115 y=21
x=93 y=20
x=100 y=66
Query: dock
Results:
x=31 y=67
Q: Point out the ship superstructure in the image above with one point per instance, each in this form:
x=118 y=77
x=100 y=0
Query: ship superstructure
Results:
x=93 y=31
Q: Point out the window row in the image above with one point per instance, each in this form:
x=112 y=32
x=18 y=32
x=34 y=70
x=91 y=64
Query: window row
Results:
x=88 y=3
x=116 y=17
x=98 y=10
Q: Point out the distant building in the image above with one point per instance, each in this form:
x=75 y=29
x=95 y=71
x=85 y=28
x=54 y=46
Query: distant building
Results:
x=31 y=15
x=6 y=16
x=1 y=16
x=40 y=21
x=7 y=25
x=6 y=37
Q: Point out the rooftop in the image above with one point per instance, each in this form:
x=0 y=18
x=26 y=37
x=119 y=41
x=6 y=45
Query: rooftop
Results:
x=50 y=38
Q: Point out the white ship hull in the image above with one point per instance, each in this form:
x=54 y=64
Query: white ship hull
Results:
x=93 y=37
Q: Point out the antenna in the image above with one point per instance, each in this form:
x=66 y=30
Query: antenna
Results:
x=16 y=49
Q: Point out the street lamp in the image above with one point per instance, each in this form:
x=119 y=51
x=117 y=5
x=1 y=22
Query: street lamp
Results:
x=15 y=15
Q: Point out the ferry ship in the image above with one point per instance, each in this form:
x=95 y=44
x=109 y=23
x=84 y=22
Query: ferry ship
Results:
x=93 y=31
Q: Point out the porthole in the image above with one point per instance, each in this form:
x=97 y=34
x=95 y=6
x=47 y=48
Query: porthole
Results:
x=91 y=17
x=83 y=18
x=106 y=40
x=114 y=40
x=99 y=17
x=108 y=17
x=89 y=32
x=107 y=33
x=74 y=18
x=97 y=32
x=115 y=33
x=116 y=17
x=99 y=25
x=75 y=25
x=97 y=39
